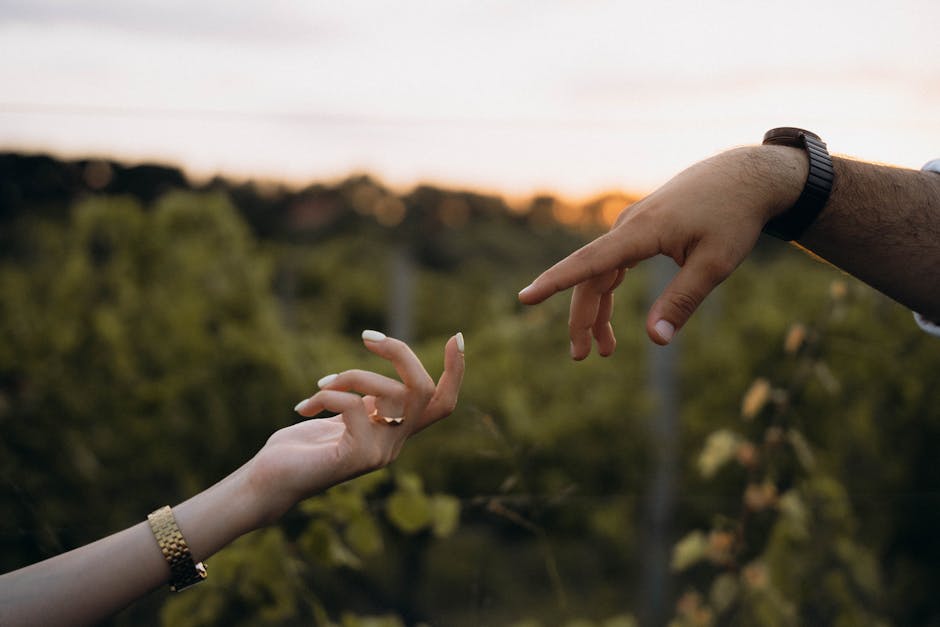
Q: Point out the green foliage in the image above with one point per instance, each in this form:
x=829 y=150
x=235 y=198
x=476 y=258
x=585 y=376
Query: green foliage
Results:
x=141 y=348
x=149 y=349
x=795 y=552
x=411 y=510
x=257 y=580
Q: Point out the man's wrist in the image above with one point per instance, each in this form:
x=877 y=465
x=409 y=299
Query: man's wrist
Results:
x=777 y=173
x=792 y=223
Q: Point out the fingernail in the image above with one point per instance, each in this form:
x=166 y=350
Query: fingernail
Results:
x=325 y=381
x=526 y=289
x=665 y=330
x=300 y=404
x=372 y=336
x=460 y=344
x=571 y=349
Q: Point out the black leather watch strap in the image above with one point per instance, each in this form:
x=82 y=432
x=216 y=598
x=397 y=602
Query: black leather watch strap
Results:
x=791 y=224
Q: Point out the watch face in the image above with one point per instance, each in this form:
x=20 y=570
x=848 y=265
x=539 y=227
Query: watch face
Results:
x=788 y=136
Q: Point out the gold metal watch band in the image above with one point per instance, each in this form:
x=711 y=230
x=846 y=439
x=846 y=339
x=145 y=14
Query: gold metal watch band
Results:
x=183 y=572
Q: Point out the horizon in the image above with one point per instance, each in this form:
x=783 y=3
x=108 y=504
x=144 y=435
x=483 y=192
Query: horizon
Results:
x=567 y=207
x=572 y=99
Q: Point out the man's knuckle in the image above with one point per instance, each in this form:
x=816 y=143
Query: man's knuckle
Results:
x=685 y=303
x=577 y=326
x=718 y=268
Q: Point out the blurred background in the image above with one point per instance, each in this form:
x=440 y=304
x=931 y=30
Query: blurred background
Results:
x=202 y=205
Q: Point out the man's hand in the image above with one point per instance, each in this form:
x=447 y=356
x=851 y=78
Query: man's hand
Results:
x=707 y=219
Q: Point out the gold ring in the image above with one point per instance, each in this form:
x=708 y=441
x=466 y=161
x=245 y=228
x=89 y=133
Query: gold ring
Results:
x=376 y=417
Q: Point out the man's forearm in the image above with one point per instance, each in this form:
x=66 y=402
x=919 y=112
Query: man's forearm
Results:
x=882 y=225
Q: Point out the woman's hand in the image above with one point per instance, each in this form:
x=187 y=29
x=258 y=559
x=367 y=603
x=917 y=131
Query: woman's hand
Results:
x=87 y=584
x=309 y=457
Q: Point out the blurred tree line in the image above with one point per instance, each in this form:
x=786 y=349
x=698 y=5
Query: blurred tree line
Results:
x=155 y=332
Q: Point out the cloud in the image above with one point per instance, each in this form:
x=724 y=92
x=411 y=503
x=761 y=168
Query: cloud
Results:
x=247 y=22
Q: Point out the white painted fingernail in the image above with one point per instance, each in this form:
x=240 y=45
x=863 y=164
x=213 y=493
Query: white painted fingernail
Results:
x=301 y=404
x=325 y=381
x=460 y=344
x=665 y=330
x=372 y=336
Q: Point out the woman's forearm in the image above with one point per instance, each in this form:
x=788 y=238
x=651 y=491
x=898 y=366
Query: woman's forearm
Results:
x=87 y=584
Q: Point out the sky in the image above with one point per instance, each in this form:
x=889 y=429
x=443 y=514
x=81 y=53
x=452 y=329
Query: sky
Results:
x=516 y=97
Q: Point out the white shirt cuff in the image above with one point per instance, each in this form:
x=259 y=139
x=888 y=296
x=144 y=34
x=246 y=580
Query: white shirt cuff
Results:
x=927 y=325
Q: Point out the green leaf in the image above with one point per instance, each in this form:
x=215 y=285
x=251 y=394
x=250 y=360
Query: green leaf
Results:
x=445 y=514
x=363 y=535
x=802 y=449
x=723 y=592
x=409 y=511
x=322 y=542
x=756 y=398
x=826 y=377
x=689 y=550
x=368 y=483
x=315 y=506
x=719 y=449
x=352 y=620
x=794 y=511
x=409 y=482
x=861 y=564
x=346 y=504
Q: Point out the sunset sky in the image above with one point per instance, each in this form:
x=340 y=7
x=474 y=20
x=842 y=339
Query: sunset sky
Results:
x=514 y=97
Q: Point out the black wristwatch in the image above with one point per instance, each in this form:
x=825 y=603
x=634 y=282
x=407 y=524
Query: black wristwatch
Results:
x=791 y=224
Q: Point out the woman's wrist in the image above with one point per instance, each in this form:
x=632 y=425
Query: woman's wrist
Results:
x=218 y=515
